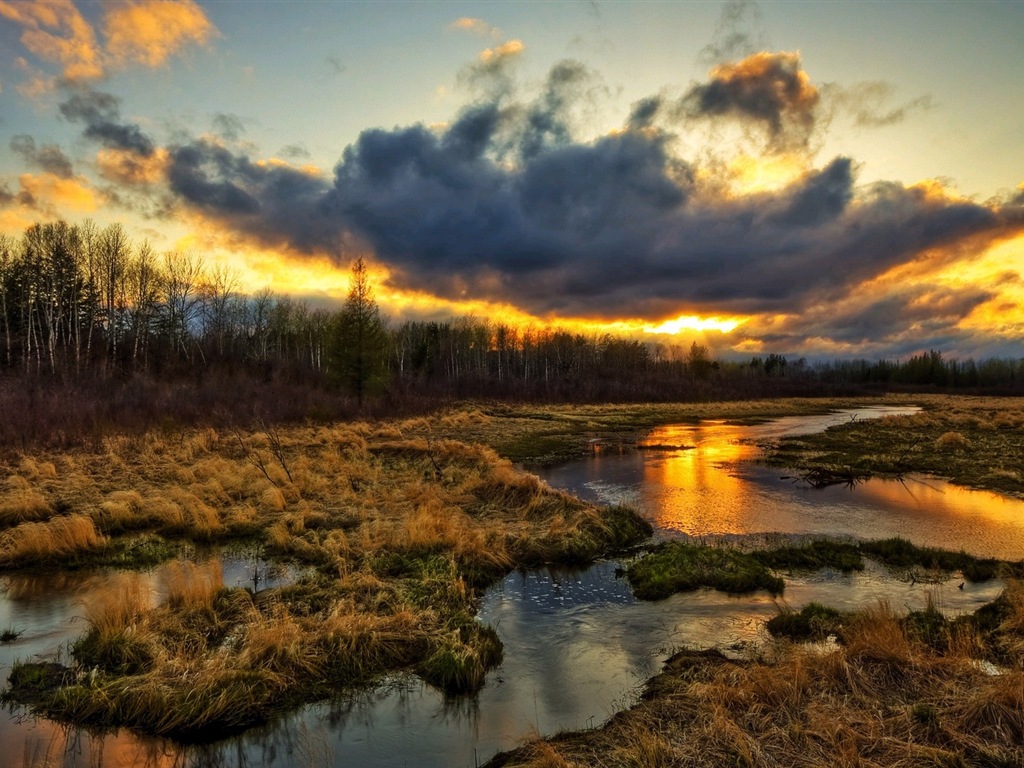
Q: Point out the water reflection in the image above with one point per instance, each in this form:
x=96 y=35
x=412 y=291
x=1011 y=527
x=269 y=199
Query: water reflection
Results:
x=708 y=486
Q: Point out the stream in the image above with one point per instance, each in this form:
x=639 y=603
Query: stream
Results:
x=578 y=645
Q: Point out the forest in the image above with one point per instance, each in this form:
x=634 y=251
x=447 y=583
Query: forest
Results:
x=97 y=330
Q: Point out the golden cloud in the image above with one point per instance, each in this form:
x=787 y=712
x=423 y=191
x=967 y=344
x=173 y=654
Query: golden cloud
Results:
x=127 y=167
x=56 y=31
x=474 y=25
x=796 y=94
x=147 y=32
x=49 y=190
x=151 y=31
x=503 y=51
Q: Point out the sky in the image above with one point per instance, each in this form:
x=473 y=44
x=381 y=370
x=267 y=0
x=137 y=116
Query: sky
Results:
x=841 y=179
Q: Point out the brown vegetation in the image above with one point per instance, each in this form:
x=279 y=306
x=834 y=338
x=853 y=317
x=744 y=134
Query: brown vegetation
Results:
x=396 y=537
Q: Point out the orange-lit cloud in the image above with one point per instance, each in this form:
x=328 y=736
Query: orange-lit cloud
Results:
x=149 y=32
x=56 y=32
x=476 y=26
x=131 y=168
x=51 y=191
x=45 y=196
x=766 y=88
x=144 y=32
x=502 y=52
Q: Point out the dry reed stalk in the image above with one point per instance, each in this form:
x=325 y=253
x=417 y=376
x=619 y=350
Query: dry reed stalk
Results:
x=50 y=540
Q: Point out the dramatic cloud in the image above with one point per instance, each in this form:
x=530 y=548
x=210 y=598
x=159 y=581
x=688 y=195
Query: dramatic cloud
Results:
x=52 y=194
x=129 y=169
x=56 y=32
x=49 y=157
x=145 y=32
x=770 y=89
x=508 y=204
x=151 y=31
x=614 y=227
x=101 y=114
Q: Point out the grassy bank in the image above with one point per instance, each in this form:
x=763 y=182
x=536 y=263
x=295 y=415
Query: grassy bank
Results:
x=675 y=566
x=974 y=441
x=397 y=536
x=897 y=691
x=547 y=434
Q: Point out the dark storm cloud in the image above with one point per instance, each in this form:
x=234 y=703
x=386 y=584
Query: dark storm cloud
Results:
x=274 y=203
x=49 y=157
x=768 y=89
x=821 y=198
x=101 y=114
x=904 y=321
x=924 y=311
x=506 y=204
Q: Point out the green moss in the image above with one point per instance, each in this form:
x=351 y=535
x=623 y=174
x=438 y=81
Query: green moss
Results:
x=677 y=567
x=821 y=553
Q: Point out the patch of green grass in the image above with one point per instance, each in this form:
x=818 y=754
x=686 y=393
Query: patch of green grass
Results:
x=821 y=553
x=812 y=622
x=900 y=553
x=678 y=567
x=136 y=552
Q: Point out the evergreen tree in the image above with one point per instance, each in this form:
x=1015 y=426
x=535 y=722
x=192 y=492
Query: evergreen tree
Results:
x=359 y=348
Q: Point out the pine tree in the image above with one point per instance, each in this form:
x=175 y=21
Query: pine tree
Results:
x=359 y=339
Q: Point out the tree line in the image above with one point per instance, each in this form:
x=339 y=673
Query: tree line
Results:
x=82 y=302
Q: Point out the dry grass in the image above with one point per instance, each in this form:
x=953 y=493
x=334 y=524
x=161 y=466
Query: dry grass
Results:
x=53 y=540
x=400 y=532
x=884 y=698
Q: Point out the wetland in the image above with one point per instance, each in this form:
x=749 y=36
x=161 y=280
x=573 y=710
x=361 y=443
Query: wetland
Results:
x=400 y=594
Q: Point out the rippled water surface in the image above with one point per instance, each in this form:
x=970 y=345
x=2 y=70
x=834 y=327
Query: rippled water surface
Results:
x=578 y=645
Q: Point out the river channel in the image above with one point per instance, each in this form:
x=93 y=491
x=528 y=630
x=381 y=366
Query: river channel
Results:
x=578 y=645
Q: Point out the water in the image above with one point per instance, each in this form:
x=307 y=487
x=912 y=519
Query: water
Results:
x=578 y=646
x=708 y=487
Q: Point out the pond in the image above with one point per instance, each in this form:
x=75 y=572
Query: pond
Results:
x=578 y=645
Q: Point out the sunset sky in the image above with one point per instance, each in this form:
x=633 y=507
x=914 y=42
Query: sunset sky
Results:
x=819 y=179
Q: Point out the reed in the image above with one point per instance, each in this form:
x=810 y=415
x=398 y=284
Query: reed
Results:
x=55 y=539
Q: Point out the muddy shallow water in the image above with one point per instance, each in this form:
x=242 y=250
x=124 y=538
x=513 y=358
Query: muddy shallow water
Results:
x=578 y=645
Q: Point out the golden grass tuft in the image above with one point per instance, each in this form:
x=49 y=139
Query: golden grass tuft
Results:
x=193 y=585
x=36 y=470
x=19 y=504
x=119 y=608
x=952 y=441
x=197 y=519
x=272 y=499
x=51 y=540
